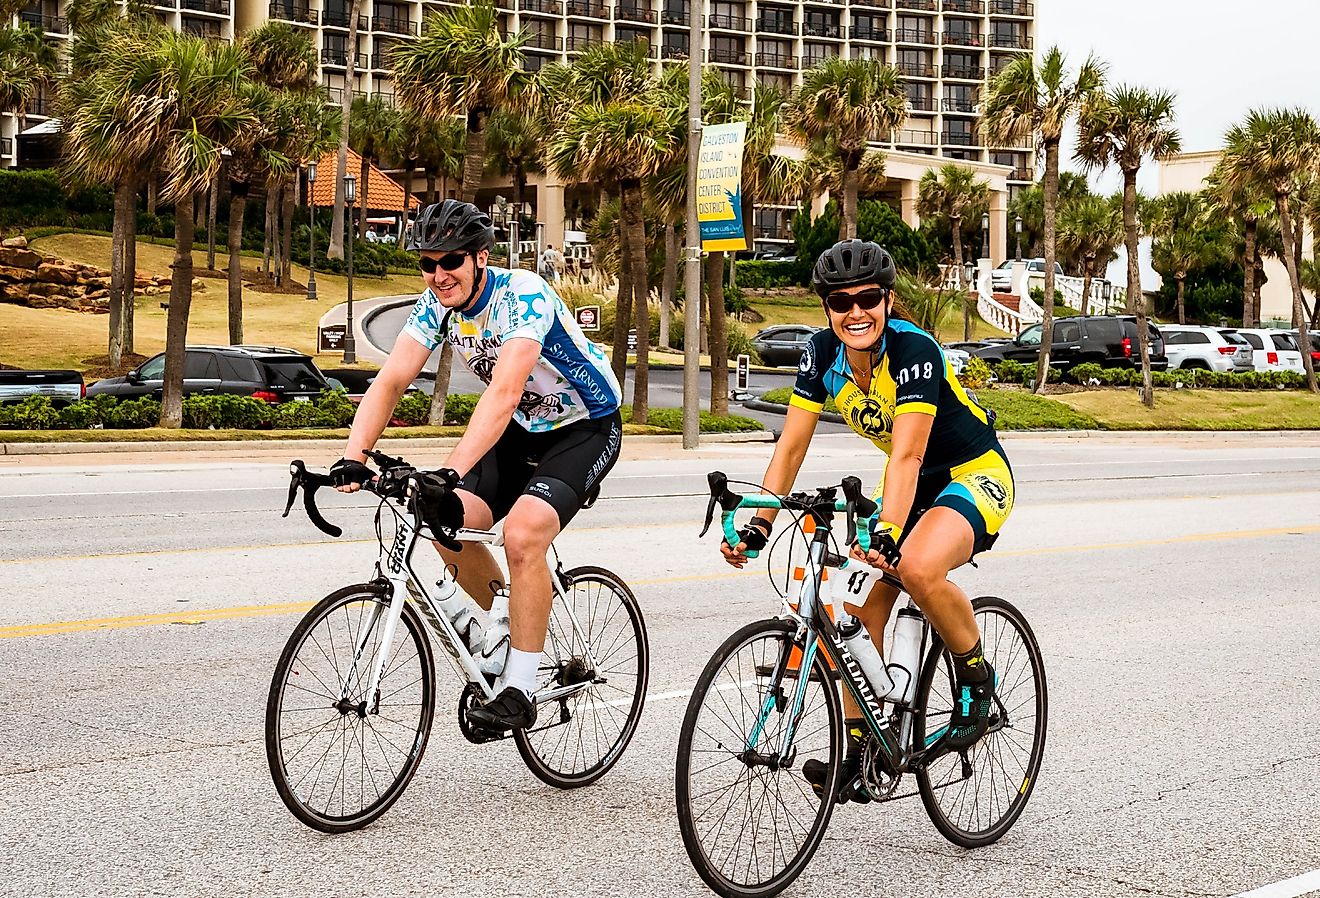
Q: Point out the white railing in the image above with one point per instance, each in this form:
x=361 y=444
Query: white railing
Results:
x=997 y=314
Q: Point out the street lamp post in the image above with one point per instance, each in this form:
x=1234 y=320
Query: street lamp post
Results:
x=350 y=197
x=311 y=233
x=1108 y=291
x=985 y=235
x=1017 y=228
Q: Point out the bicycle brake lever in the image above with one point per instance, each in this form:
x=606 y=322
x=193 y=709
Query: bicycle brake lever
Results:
x=296 y=471
x=719 y=484
x=385 y=462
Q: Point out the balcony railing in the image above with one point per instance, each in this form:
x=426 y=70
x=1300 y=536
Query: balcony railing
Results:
x=543 y=40
x=578 y=43
x=39 y=106
x=822 y=29
x=971 y=7
x=915 y=70
x=952 y=104
x=921 y=5
x=959 y=139
x=1012 y=8
x=6 y=146
x=382 y=61
x=673 y=51
x=53 y=24
x=874 y=4
x=549 y=7
x=385 y=96
x=394 y=24
x=336 y=94
x=964 y=39
x=293 y=12
x=775 y=25
x=965 y=73
x=815 y=56
x=869 y=33
x=921 y=104
x=915 y=137
x=777 y=61
x=648 y=50
x=913 y=36
x=729 y=23
x=1022 y=174
x=674 y=15
x=338 y=18
x=215 y=7
x=631 y=12
x=592 y=9
x=1011 y=41
x=340 y=58
x=727 y=56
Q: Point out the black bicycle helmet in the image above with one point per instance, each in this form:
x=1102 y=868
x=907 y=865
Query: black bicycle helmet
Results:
x=452 y=226
x=849 y=263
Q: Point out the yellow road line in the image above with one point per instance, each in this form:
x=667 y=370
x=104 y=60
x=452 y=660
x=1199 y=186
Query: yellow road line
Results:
x=186 y=616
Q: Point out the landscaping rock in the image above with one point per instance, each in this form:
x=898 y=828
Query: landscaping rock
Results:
x=19 y=257
x=14 y=293
x=19 y=242
x=51 y=273
x=17 y=275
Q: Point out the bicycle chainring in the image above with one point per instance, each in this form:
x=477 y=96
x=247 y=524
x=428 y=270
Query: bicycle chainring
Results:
x=471 y=732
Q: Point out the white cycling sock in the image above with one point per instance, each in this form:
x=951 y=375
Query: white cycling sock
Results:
x=519 y=671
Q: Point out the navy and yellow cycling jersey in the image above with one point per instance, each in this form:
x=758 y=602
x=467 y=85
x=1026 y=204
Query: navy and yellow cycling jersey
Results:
x=911 y=374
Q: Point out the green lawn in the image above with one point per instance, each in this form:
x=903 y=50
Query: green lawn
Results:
x=1121 y=409
x=1016 y=410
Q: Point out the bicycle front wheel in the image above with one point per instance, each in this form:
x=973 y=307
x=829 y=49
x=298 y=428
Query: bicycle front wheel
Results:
x=340 y=758
x=596 y=636
x=974 y=797
x=750 y=820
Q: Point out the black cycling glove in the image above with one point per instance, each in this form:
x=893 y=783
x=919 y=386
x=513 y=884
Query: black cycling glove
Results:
x=753 y=536
x=884 y=539
x=346 y=471
x=441 y=508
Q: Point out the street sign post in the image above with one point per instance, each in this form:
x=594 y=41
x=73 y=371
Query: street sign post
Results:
x=588 y=318
x=331 y=338
x=742 y=376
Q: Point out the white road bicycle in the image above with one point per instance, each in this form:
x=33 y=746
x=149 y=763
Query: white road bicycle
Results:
x=353 y=696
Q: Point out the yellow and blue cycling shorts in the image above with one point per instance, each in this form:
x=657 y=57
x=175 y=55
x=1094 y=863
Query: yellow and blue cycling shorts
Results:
x=981 y=490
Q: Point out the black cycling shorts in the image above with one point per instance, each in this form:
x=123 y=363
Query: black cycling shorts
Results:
x=564 y=467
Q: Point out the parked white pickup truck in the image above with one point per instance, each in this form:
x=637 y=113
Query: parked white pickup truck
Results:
x=60 y=387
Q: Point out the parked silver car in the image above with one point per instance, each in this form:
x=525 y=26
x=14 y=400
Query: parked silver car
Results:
x=1207 y=348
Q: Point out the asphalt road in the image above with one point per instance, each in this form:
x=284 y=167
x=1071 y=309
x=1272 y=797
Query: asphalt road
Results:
x=1171 y=582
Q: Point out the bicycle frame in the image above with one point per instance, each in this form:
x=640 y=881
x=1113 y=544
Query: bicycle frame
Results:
x=396 y=567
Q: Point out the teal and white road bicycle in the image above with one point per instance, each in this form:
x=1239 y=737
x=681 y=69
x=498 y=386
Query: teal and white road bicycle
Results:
x=750 y=821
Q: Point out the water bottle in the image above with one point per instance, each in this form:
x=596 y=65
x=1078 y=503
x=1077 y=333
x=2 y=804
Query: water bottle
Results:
x=462 y=612
x=905 y=655
x=494 y=647
x=864 y=651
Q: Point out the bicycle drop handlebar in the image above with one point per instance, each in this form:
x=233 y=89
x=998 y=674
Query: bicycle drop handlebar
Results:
x=854 y=504
x=392 y=483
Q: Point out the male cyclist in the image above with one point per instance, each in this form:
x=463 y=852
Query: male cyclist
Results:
x=542 y=436
x=947 y=486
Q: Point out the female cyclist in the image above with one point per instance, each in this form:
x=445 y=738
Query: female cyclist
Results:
x=947 y=487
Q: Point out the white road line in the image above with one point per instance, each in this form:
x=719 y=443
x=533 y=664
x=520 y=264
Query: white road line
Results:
x=1287 y=888
x=74 y=493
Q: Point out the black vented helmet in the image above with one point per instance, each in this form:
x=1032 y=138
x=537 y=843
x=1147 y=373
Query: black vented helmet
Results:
x=849 y=263
x=452 y=226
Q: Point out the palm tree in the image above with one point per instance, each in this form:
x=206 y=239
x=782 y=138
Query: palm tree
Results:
x=373 y=130
x=1090 y=231
x=851 y=102
x=1245 y=206
x=1029 y=205
x=27 y=63
x=1185 y=240
x=953 y=193
x=1031 y=98
x=1123 y=127
x=1274 y=150
x=462 y=65
x=516 y=151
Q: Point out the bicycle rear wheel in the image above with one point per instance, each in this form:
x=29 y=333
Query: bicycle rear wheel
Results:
x=974 y=797
x=338 y=764
x=578 y=739
x=750 y=821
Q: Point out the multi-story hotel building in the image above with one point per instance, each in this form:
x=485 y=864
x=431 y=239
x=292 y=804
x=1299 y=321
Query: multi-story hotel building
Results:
x=947 y=50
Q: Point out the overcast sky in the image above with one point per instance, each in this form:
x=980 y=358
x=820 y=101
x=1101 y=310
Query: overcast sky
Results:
x=1220 y=58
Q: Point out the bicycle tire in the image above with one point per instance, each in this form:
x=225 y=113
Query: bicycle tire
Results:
x=298 y=798
x=1022 y=691
x=626 y=681
x=703 y=849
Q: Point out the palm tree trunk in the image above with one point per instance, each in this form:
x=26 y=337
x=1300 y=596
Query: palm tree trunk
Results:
x=623 y=304
x=956 y=222
x=474 y=155
x=336 y=248
x=212 y=208
x=286 y=242
x=1051 y=187
x=1249 y=273
x=176 y=327
x=1087 y=277
x=153 y=193
x=408 y=165
x=668 y=282
x=1295 y=282
x=124 y=207
x=635 y=248
x=130 y=275
x=238 y=192
x=1136 y=299
x=440 y=396
x=519 y=190
x=432 y=196
x=1181 y=280
x=363 y=177
x=848 y=220
x=719 y=337
x=270 y=204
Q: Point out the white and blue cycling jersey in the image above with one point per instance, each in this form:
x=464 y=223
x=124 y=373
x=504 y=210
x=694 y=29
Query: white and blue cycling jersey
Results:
x=571 y=381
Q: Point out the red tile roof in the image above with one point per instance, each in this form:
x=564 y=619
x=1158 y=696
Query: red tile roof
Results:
x=383 y=192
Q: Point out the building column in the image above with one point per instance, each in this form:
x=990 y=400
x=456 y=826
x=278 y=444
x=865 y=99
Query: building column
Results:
x=550 y=210
x=998 y=225
x=911 y=192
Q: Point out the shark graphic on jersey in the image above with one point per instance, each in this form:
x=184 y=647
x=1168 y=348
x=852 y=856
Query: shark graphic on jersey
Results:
x=572 y=379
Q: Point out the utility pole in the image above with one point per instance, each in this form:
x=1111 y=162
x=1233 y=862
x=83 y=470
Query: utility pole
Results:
x=692 y=257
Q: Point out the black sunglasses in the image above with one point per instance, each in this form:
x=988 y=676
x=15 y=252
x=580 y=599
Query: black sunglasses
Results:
x=866 y=300
x=450 y=262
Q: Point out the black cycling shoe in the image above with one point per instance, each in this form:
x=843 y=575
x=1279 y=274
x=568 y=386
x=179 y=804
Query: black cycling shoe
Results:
x=971 y=713
x=510 y=710
x=849 y=787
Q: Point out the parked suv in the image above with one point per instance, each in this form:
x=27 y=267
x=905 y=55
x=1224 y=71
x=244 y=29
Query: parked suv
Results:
x=1207 y=348
x=1106 y=340
x=1272 y=350
x=262 y=372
